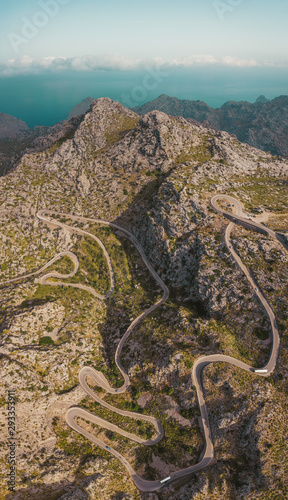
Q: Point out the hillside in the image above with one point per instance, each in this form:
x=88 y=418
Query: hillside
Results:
x=155 y=176
x=11 y=127
x=36 y=140
x=262 y=124
x=15 y=136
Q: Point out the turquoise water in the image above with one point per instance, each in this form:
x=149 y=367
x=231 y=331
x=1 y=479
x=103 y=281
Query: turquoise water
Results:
x=47 y=99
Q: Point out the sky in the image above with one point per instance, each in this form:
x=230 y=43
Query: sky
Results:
x=127 y=34
x=92 y=41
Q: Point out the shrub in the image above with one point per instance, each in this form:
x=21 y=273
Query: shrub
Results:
x=46 y=341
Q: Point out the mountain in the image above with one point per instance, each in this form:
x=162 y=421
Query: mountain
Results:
x=263 y=124
x=155 y=176
x=11 y=127
x=262 y=99
x=173 y=106
x=38 y=139
x=16 y=138
x=81 y=108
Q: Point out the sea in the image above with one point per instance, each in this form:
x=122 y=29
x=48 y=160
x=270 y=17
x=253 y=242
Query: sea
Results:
x=46 y=99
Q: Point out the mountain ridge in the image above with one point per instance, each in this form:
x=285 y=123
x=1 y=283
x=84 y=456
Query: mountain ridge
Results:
x=155 y=176
x=263 y=124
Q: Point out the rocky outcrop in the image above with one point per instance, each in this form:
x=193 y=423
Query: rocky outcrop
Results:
x=36 y=140
x=262 y=124
x=197 y=110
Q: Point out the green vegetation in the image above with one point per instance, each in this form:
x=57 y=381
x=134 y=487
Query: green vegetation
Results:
x=63 y=266
x=140 y=428
x=263 y=190
x=93 y=269
x=121 y=125
x=46 y=341
x=200 y=153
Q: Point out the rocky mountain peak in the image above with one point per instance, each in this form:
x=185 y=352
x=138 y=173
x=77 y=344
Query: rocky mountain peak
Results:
x=104 y=124
x=105 y=109
x=262 y=124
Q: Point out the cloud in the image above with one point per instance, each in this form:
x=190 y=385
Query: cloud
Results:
x=109 y=62
x=51 y=64
x=207 y=60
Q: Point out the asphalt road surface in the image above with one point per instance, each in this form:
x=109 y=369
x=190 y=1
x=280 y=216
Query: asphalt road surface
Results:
x=98 y=379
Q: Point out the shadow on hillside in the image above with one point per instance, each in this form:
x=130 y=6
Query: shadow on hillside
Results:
x=118 y=319
x=138 y=210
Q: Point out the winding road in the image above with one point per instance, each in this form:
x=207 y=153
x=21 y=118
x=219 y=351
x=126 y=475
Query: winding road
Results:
x=98 y=379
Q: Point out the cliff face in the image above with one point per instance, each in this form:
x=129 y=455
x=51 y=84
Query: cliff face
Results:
x=262 y=124
x=154 y=175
